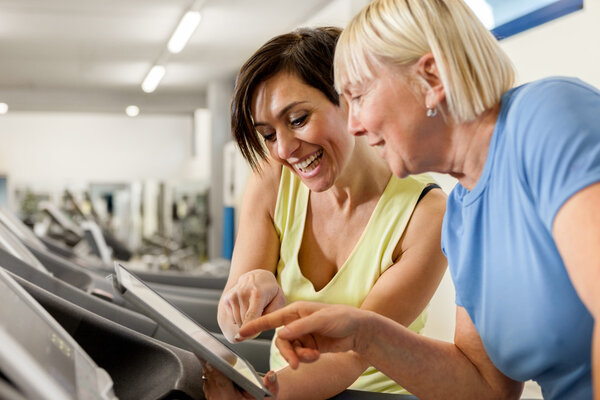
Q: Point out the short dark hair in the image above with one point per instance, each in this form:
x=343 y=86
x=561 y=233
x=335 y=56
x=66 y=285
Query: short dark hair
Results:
x=306 y=53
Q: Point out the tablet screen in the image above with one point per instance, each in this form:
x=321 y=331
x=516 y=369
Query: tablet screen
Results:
x=185 y=324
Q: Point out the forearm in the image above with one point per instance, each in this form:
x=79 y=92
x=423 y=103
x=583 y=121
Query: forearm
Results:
x=325 y=378
x=428 y=368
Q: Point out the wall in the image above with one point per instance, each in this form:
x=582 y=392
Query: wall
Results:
x=50 y=150
x=566 y=46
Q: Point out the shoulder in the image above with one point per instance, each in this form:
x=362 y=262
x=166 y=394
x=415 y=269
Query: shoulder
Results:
x=546 y=112
x=557 y=85
x=263 y=186
x=426 y=220
x=433 y=204
x=410 y=186
x=550 y=99
x=407 y=195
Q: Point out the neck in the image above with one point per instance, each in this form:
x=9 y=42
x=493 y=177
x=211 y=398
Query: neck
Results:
x=470 y=145
x=365 y=176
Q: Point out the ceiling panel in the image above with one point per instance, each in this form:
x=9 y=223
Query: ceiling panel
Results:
x=90 y=47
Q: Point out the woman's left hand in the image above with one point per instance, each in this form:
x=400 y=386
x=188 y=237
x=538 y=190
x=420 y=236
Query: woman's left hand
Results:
x=217 y=386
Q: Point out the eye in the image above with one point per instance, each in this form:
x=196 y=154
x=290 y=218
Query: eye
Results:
x=299 y=121
x=270 y=137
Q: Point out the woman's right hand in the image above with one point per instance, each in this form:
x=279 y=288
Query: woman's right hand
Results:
x=217 y=386
x=313 y=328
x=255 y=293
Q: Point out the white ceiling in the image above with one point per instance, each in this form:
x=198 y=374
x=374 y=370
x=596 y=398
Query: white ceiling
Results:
x=92 y=55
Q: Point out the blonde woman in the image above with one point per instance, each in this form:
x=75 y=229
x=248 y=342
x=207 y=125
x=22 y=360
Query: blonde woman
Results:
x=429 y=85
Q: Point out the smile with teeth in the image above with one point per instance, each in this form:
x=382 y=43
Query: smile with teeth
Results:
x=310 y=163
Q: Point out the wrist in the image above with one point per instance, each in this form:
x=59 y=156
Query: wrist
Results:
x=365 y=332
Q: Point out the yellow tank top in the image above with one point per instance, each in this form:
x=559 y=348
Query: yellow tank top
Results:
x=370 y=258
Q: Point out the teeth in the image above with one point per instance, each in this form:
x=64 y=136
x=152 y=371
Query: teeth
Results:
x=302 y=165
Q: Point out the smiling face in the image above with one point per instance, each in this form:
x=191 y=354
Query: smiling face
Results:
x=391 y=112
x=302 y=129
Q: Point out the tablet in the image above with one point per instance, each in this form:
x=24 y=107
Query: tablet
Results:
x=200 y=341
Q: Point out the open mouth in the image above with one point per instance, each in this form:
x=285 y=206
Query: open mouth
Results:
x=310 y=163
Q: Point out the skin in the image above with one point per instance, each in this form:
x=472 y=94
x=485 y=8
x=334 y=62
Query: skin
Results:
x=428 y=368
x=218 y=386
x=297 y=122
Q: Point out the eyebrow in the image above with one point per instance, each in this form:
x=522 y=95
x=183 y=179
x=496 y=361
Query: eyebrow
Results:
x=283 y=111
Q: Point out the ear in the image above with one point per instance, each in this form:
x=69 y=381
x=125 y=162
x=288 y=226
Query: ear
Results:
x=427 y=69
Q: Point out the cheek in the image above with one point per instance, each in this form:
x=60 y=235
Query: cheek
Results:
x=272 y=150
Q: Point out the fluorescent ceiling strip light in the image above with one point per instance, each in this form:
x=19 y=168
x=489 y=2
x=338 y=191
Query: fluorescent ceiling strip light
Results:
x=153 y=78
x=3 y=108
x=182 y=34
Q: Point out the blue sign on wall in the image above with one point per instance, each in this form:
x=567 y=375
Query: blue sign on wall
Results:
x=3 y=192
x=509 y=17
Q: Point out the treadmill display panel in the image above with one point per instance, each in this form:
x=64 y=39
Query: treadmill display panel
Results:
x=201 y=342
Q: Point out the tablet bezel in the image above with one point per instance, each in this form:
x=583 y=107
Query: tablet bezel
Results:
x=195 y=346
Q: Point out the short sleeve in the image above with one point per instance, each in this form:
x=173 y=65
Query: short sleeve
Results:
x=558 y=124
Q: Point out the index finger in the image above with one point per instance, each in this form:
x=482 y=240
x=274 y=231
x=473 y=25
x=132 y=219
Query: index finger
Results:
x=278 y=318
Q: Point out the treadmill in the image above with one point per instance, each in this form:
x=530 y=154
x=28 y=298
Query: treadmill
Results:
x=83 y=276
x=38 y=358
x=17 y=259
x=97 y=244
x=199 y=303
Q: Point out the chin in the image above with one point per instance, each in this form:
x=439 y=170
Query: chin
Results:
x=399 y=172
x=317 y=187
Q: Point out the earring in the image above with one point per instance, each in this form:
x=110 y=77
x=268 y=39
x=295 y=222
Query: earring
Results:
x=431 y=112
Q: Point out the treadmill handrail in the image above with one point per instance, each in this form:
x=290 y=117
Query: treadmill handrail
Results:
x=12 y=350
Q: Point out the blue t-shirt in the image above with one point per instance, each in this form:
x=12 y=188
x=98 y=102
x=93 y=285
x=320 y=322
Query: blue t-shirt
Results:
x=498 y=239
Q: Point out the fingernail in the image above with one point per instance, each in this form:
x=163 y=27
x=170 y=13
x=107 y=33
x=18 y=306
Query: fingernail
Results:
x=238 y=337
x=272 y=377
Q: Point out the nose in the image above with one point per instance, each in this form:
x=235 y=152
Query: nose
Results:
x=287 y=144
x=354 y=126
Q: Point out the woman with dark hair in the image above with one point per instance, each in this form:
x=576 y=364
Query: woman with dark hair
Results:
x=322 y=219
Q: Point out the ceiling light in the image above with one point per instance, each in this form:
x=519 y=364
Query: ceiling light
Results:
x=132 y=111
x=153 y=78
x=3 y=108
x=182 y=34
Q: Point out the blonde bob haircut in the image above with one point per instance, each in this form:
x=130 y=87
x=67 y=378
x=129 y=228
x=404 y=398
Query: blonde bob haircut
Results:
x=474 y=70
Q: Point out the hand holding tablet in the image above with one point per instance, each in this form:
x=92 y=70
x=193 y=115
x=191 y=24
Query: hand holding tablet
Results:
x=199 y=340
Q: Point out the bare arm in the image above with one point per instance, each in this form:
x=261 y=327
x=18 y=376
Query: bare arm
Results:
x=402 y=294
x=576 y=231
x=433 y=369
x=429 y=368
x=251 y=286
